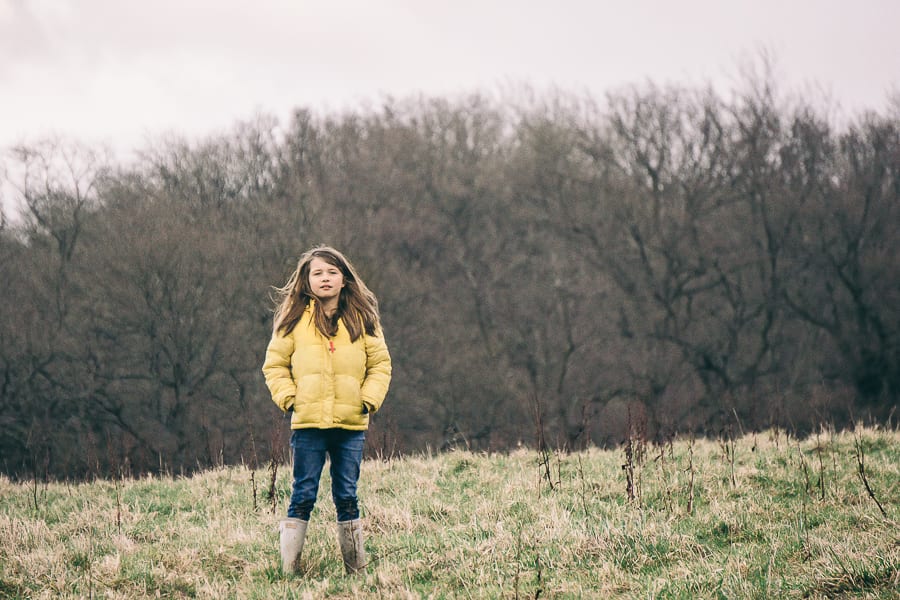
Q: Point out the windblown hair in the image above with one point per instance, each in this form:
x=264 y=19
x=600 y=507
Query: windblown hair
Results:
x=357 y=306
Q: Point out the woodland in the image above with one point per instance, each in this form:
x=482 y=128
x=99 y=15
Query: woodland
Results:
x=552 y=269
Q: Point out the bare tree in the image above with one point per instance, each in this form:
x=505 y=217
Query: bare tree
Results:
x=846 y=278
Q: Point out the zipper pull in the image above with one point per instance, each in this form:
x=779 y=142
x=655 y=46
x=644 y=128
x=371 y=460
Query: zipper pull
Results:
x=331 y=346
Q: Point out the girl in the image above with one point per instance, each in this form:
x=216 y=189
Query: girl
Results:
x=328 y=364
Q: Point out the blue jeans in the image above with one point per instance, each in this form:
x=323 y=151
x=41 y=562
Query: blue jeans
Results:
x=345 y=449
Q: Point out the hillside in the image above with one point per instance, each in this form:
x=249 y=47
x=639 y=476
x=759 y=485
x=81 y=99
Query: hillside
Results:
x=761 y=516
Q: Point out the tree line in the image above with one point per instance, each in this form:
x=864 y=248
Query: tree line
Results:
x=561 y=267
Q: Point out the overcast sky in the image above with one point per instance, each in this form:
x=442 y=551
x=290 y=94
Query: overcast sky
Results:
x=120 y=72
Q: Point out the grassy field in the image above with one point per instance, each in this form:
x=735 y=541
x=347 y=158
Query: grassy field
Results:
x=762 y=516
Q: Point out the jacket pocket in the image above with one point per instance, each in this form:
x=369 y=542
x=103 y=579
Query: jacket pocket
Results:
x=348 y=405
x=308 y=401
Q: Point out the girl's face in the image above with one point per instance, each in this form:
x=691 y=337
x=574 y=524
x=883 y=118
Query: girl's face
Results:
x=325 y=280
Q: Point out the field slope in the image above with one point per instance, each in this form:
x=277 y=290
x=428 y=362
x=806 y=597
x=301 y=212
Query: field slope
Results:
x=762 y=516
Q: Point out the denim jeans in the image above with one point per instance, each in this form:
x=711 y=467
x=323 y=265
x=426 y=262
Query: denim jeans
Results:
x=345 y=449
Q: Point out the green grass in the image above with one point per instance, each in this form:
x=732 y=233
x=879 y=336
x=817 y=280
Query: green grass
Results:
x=486 y=526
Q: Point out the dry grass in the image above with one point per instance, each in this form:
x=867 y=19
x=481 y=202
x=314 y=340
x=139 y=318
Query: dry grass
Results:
x=479 y=526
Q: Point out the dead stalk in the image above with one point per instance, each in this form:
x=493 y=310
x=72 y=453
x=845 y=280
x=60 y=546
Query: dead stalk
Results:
x=861 y=471
x=804 y=532
x=119 y=501
x=634 y=456
x=804 y=468
x=583 y=488
x=690 y=505
x=543 y=448
x=518 y=563
x=821 y=467
x=273 y=476
x=664 y=478
x=728 y=446
x=628 y=467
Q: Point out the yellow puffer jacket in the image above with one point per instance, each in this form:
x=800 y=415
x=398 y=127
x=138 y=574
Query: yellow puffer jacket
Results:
x=328 y=382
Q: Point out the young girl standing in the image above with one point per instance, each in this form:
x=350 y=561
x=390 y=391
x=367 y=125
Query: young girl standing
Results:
x=328 y=364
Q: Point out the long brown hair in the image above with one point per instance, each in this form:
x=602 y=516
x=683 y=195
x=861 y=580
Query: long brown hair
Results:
x=357 y=306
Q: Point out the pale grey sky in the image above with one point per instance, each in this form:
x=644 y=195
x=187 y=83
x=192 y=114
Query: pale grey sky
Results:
x=122 y=71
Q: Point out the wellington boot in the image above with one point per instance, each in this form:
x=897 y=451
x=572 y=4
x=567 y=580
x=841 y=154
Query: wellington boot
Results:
x=293 y=534
x=350 y=536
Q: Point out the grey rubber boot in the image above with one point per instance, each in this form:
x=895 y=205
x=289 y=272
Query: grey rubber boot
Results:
x=350 y=536
x=293 y=534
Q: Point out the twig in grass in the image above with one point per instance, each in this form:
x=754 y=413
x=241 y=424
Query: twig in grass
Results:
x=583 y=490
x=831 y=448
x=36 y=496
x=119 y=501
x=628 y=467
x=273 y=476
x=664 y=478
x=737 y=420
x=639 y=484
x=821 y=466
x=728 y=447
x=518 y=563
x=559 y=461
x=634 y=455
x=804 y=533
x=543 y=448
x=804 y=468
x=253 y=487
x=34 y=492
x=861 y=471
x=690 y=469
